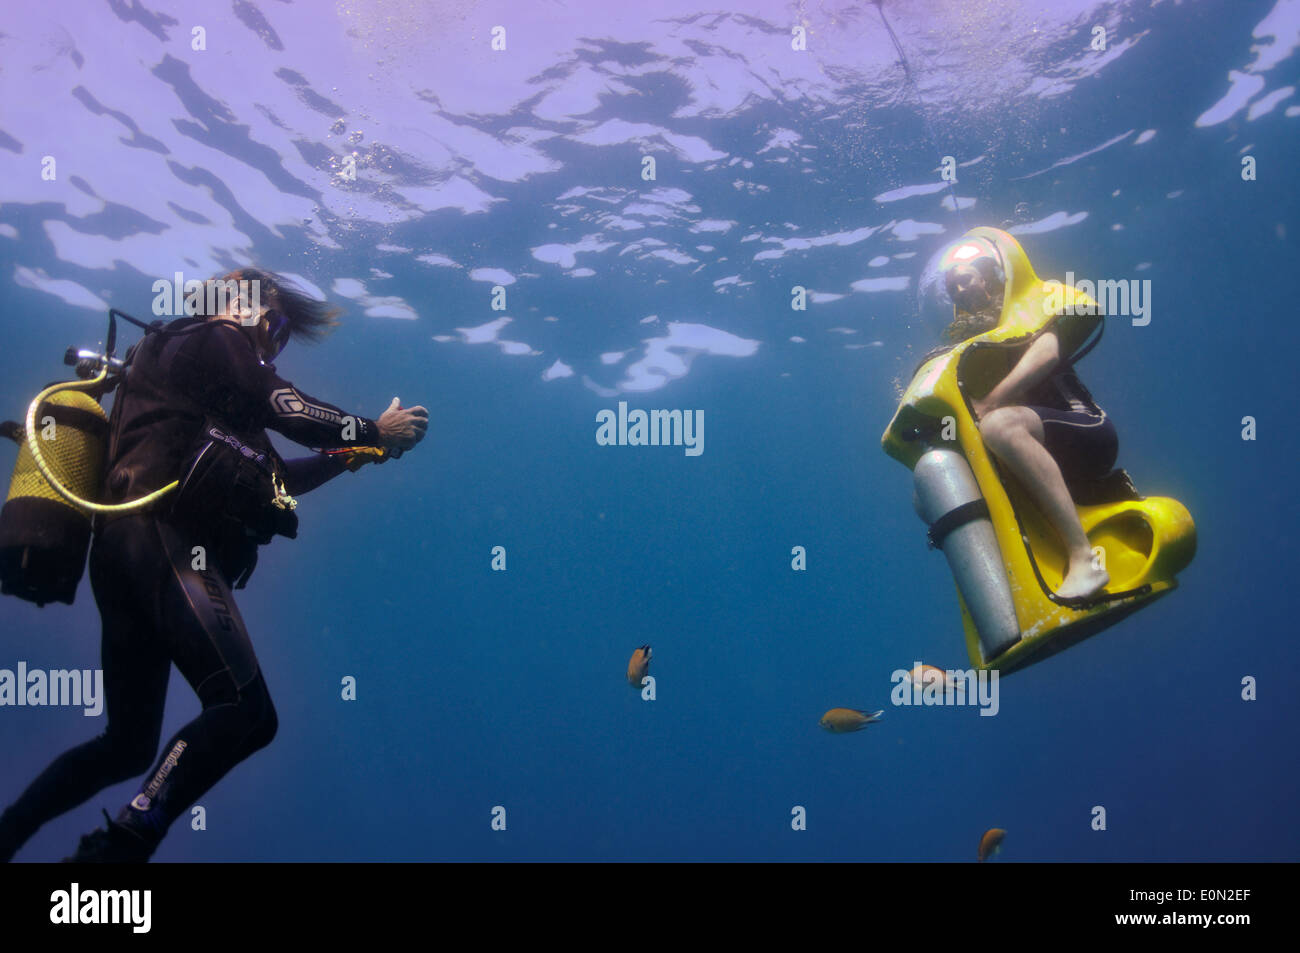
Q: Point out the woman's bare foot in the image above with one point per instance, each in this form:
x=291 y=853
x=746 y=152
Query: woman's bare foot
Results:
x=1084 y=579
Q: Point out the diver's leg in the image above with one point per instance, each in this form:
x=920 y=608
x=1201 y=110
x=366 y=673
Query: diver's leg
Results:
x=1015 y=435
x=135 y=690
x=205 y=633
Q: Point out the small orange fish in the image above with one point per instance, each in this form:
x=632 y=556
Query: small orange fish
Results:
x=638 y=666
x=991 y=843
x=840 y=720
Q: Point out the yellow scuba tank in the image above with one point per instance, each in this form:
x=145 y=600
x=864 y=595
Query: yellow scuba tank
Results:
x=46 y=521
x=43 y=537
x=1005 y=557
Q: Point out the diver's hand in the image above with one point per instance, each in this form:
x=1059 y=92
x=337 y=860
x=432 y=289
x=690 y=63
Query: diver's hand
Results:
x=401 y=428
x=980 y=407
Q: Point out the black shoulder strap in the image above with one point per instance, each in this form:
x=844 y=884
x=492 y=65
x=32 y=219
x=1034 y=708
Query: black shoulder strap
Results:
x=119 y=400
x=1080 y=354
x=122 y=386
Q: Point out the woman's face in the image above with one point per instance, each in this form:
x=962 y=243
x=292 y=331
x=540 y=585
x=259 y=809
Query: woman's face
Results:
x=968 y=289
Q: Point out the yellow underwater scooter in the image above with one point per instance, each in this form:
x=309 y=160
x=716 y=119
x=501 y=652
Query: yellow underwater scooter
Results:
x=1005 y=558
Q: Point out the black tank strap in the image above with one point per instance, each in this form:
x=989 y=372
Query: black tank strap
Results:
x=954 y=518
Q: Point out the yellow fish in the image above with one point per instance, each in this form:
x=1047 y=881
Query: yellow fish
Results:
x=638 y=666
x=991 y=843
x=839 y=720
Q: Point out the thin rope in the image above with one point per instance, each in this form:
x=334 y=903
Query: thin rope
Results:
x=925 y=118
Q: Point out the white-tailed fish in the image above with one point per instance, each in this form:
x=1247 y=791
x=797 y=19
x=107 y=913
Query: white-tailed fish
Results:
x=840 y=720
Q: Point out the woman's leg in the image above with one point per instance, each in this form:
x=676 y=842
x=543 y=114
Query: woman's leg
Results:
x=122 y=563
x=1015 y=436
x=205 y=635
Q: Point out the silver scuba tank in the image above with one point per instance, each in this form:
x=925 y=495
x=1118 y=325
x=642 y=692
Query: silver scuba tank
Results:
x=948 y=499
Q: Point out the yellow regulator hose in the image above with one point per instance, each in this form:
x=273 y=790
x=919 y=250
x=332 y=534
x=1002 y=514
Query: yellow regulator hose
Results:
x=33 y=444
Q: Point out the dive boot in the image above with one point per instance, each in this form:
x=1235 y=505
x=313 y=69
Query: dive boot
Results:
x=114 y=844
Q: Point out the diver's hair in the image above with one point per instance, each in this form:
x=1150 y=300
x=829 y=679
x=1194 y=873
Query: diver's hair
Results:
x=967 y=325
x=309 y=319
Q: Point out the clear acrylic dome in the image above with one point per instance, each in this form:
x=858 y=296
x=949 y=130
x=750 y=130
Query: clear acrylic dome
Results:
x=935 y=308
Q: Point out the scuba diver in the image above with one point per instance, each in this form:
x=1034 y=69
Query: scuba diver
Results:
x=194 y=404
x=1039 y=420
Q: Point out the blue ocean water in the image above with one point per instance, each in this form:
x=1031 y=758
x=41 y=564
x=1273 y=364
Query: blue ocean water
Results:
x=522 y=168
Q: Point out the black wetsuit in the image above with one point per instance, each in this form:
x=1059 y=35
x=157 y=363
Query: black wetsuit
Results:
x=1077 y=433
x=155 y=606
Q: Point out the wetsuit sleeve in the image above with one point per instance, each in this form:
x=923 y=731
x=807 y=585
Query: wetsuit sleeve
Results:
x=305 y=474
x=314 y=423
x=219 y=370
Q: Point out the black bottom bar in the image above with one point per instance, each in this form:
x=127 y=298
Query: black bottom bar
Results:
x=234 y=902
